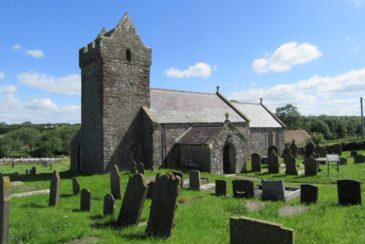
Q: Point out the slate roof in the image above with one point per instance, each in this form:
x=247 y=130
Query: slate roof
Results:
x=259 y=115
x=170 y=106
x=198 y=135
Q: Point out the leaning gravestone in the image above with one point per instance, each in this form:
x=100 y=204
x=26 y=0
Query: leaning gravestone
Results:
x=75 y=186
x=163 y=207
x=273 y=163
x=310 y=166
x=253 y=231
x=359 y=159
x=290 y=165
x=180 y=174
x=194 y=179
x=293 y=149
x=309 y=149
x=133 y=201
x=220 y=188
x=256 y=162
x=4 y=208
x=308 y=193
x=349 y=192
x=115 y=182
x=273 y=190
x=109 y=205
x=85 y=200
x=54 y=189
x=243 y=188
x=140 y=168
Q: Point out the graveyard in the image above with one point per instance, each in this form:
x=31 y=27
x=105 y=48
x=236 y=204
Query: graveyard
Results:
x=201 y=216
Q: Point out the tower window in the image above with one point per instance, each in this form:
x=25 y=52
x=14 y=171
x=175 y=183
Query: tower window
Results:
x=128 y=55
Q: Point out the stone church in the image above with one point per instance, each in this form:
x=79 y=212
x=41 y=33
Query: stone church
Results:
x=124 y=120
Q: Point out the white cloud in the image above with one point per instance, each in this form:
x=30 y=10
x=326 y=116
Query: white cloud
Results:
x=285 y=56
x=9 y=89
x=70 y=84
x=357 y=3
x=198 y=70
x=36 y=53
x=2 y=75
x=37 y=110
x=17 y=46
x=332 y=95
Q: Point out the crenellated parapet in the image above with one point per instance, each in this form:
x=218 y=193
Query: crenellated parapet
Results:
x=90 y=53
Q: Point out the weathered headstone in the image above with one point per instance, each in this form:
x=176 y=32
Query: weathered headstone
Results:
x=256 y=162
x=286 y=151
x=4 y=208
x=85 y=200
x=134 y=167
x=54 y=189
x=349 y=192
x=243 y=188
x=272 y=149
x=310 y=166
x=353 y=153
x=359 y=159
x=343 y=160
x=33 y=171
x=109 y=205
x=194 y=179
x=294 y=149
x=133 y=201
x=337 y=149
x=308 y=193
x=322 y=152
x=220 y=188
x=180 y=174
x=273 y=163
x=290 y=165
x=75 y=186
x=115 y=182
x=309 y=149
x=140 y=168
x=163 y=207
x=253 y=231
x=273 y=190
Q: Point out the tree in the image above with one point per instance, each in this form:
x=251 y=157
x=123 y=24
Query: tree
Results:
x=290 y=116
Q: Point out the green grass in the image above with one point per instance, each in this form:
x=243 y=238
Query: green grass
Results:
x=200 y=217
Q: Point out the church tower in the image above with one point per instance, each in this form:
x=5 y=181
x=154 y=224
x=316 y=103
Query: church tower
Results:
x=115 y=74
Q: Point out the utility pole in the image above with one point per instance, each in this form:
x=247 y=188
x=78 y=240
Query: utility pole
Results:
x=362 y=118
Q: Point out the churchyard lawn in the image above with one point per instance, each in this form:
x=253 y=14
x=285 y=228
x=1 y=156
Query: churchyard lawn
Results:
x=201 y=217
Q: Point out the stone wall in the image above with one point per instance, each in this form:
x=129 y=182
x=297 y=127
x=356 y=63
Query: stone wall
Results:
x=259 y=139
x=195 y=156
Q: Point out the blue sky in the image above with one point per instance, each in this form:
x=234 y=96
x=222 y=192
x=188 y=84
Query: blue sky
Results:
x=308 y=53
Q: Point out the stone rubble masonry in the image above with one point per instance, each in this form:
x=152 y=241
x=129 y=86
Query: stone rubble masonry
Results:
x=4 y=208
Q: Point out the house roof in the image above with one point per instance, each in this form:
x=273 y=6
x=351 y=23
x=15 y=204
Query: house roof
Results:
x=171 y=106
x=198 y=135
x=299 y=136
x=258 y=115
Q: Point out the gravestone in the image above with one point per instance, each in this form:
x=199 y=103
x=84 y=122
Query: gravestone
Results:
x=349 y=192
x=75 y=186
x=85 y=200
x=194 y=179
x=272 y=149
x=54 y=189
x=343 y=160
x=150 y=186
x=273 y=163
x=243 y=188
x=27 y=172
x=290 y=165
x=163 y=207
x=134 y=167
x=286 y=151
x=140 y=168
x=309 y=149
x=263 y=159
x=359 y=159
x=322 y=152
x=220 y=188
x=310 y=166
x=33 y=171
x=13 y=164
x=51 y=166
x=180 y=174
x=4 y=208
x=337 y=149
x=353 y=153
x=115 y=182
x=109 y=205
x=301 y=151
x=256 y=162
x=308 y=193
x=253 y=231
x=293 y=149
x=273 y=190
x=133 y=201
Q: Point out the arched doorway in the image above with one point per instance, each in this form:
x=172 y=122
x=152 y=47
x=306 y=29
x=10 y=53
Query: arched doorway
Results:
x=229 y=158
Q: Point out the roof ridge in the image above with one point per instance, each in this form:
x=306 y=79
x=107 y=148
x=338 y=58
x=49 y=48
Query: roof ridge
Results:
x=172 y=90
x=240 y=102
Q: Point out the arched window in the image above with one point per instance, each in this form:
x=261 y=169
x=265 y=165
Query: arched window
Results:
x=128 y=55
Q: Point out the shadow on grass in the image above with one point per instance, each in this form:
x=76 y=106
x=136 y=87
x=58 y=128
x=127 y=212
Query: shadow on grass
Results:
x=33 y=205
x=96 y=217
x=110 y=224
x=67 y=195
x=45 y=176
x=137 y=236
